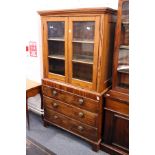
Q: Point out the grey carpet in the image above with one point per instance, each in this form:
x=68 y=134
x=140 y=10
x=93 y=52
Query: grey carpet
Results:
x=57 y=140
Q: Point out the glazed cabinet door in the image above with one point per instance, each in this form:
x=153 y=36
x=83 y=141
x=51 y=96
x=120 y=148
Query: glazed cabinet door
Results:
x=83 y=51
x=121 y=68
x=55 y=47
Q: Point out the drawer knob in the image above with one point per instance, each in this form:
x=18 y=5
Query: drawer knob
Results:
x=81 y=114
x=80 y=128
x=54 y=92
x=55 y=117
x=55 y=105
x=81 y=101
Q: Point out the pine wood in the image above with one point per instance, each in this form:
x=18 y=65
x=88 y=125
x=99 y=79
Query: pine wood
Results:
x=32 y=89
x=72 y=104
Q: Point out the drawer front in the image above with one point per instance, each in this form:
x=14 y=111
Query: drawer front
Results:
x=70 y=124
x=81 y=102
x=70 y=111
x=117 y=106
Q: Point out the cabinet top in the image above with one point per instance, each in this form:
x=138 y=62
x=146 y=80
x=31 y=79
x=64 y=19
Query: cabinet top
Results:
x=104 y=10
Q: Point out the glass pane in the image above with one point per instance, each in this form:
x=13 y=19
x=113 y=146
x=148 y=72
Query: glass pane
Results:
x=56 y=48
x=83 y=52
x=125 y=12
x=83 y=30
x=56 y=66
x=123 y=61
x=82 y=71
x=56 y=30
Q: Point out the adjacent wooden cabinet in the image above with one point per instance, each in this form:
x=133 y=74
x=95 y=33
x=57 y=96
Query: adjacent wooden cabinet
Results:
x=115 y=126
x=77 y=50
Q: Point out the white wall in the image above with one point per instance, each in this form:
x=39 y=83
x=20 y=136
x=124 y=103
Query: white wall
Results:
x=33 y=30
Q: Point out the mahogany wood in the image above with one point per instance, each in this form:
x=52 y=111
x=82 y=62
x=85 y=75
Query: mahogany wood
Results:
x=71 y=124
x=72 y=104
x=115 y=133
x=117 y=44
x=71 y=111
x=103 y=45
x=73 y=99
x=115 y=126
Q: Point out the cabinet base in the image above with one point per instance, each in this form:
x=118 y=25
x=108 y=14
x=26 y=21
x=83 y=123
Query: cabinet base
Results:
x=112 y=150
x=95 y=145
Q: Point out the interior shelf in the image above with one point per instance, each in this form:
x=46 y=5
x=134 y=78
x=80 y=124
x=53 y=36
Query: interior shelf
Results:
x=56 y=39
x=83 y=41
x=84 y=61
x=60 y=57
x=124 y=47
x=123 y=69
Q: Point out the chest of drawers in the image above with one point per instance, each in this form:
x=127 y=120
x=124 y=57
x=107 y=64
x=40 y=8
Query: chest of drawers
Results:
x=74 y=110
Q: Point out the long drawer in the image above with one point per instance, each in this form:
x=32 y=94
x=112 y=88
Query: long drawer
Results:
x=117 y=106
x=76 y=100
x=70 y=124
x=71 y=111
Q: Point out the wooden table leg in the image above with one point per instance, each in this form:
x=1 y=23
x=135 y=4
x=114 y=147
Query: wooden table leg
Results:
x=27 y=115
x=41 y=95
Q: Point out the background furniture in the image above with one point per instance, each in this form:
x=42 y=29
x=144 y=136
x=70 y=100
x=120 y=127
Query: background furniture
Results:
x=115 y=132
x=77 y=52
x=32 y=89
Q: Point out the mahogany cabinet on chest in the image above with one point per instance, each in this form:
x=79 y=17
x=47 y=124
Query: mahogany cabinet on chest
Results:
x=115 y=130
x=77 y=61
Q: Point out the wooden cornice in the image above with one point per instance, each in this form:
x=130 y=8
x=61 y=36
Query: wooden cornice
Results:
x=79 y=11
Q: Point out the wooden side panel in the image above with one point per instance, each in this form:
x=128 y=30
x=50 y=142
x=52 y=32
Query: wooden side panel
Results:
x=105 y=52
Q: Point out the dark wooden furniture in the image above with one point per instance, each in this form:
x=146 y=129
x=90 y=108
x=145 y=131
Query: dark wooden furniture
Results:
x=115 y=131
x=32 y=89
x=77 y=52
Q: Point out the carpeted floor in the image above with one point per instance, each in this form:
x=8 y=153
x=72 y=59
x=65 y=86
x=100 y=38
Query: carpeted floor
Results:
x=34 y=148
x=58 y=141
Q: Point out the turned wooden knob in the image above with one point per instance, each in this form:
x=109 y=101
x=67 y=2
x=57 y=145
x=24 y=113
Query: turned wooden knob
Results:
x=81 y=101
x=80 y=128
x=55 y=105
x=55 y=117
x=81 y=114
x=54 y=92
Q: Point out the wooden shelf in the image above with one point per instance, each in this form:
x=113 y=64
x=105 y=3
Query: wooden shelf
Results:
x=124 y=47
x=56 y=39
x=123 y=69
x=60 y=57
x=83 y=41
x=84 y=61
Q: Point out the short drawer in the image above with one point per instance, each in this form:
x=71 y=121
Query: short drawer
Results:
x=70 y=124
x=76 y=100
x=71 y=111
x=117 y=106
